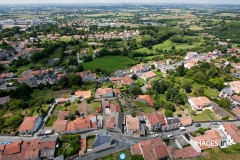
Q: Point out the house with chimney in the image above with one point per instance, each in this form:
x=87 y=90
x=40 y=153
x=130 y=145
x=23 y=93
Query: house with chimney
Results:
x=197 y=103
x=226 y=93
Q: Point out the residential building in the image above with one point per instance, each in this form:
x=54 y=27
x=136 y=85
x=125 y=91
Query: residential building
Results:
x=104 y=92
x=191 y=55
x=132 y=125
x=84 y=94
x=60 y=125
x=235 y=99
x=63 y=115
x=62 y=100
x=159 y=64
x=171 y=124
x=230 y=132
x=30 y=124
x=4 y=100
x=169 y=61
x=187 y=152
x=186 y=121
x=151 y=149
x=201 y=143
x=140 y=68
x=122 y=80
x=146 y=99
x=197 y=103
x=48 y=147
x=190 y=64
x=226 y=93
x=114 y=122
x=236 y=110
x=87 y=75
x=7 y=75
x=235 y=86
x=149 y=75
x=103 y=141
x=154 y=121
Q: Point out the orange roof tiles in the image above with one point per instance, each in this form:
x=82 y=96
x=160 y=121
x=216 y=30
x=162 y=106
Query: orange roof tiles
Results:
x=205 y=100
x=155 y=118
x=62 y=115
x=147 y=98
x=151 y=149
x=13 y=148
x=237 y=111
x=82 y=123
x=102 y=91
x=106 y=103
x=115 y=108
x=60 y=125
x=211 y=135
x=233 y=131
x=187 y=152
x=110 y=119
x=84 y=94
x=132 y=123
x=28 y=123
x=185 y=120
x=62 y=100
x=149 y=74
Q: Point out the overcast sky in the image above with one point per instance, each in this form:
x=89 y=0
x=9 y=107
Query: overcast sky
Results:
x=119 y=1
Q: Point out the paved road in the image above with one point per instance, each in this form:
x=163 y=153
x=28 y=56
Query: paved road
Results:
x=104 y=115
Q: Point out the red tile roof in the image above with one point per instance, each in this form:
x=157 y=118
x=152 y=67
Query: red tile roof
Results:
x=155 y=118
x=84 y=94
x=62 y=115
x=152 y=149
x=187 y=152
x=106 y=104
x=13 y=148
x=185 y=120
x=147 y=98
x=115 y=108
x=110 y=119
x=60 y=125
x=233 y=131
x=28 y=123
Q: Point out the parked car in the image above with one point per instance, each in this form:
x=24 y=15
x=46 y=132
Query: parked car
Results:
x=169 y=135
x=155 y=135
x=215 y=123
x=197 y=125
x=44 y=136
x=182 y=129
x=231 y=107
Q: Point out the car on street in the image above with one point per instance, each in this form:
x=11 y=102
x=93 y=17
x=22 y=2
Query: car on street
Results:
x=231 y=107
x=155 y=135
x=215 y=123
x=197 y=125
x=169 y=135
x=44 y=136
x=181 y=129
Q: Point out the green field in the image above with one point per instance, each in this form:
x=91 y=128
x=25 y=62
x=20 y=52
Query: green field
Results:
x=207 y=114
x=117 y=155
x=144 y=107
x=108 y=63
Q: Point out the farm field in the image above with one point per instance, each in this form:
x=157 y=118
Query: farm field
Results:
x=108 y=63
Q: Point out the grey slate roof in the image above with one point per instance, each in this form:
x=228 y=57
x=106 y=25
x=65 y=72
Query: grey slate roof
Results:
x=227 y=91
x=173 y=120
x=102 y=138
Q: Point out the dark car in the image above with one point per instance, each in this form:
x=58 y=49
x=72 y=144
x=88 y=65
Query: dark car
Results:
x=231 y=107
x=197 y=125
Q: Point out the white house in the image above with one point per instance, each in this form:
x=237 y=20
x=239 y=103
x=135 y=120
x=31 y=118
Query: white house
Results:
x=197 y=103
x=226 y=93
x=30 y=124
x=231 y=132
x=140 y=68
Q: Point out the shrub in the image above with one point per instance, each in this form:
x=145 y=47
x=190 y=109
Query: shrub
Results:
x=179 y=115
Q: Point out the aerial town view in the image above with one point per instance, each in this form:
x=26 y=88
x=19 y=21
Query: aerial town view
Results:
x=119 y=80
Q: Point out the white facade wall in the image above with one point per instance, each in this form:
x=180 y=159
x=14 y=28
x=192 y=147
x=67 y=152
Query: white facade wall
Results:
x=108 y=94
x=226 y=135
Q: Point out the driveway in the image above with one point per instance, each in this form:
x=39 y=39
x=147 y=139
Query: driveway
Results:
x=222 y=112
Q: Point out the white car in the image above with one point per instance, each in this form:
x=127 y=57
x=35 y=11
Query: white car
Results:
x=169 y=135
x=155 y=135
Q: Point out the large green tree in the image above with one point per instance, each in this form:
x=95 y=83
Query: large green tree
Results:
x=199 y=77
x=75 y=80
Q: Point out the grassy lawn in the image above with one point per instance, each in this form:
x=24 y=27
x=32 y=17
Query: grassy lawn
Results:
x=108 y=63
x=95 y=105
x=117 y=155
x=90 y=142
x=56 y=54
x=195 y=27
x=207 y=90
x=65 y=61
x=219 y=154
x=51 y=120
x=207 y=114
x=39 y=93
x=158 y=73
x=144 y=107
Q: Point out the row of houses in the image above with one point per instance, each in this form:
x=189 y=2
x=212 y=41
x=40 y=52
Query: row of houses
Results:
x=39 y=148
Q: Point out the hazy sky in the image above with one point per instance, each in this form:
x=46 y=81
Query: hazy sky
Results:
x=119 y=1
